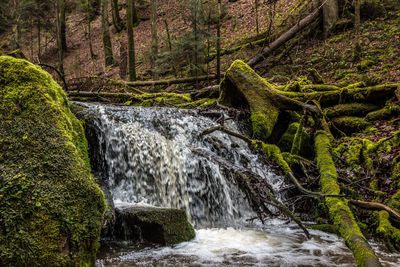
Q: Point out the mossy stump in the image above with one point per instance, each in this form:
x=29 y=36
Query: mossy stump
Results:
x=51 y=208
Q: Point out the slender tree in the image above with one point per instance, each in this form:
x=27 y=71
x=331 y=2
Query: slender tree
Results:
x=219 y=42
x=256 y=11
x=115 y=16
x=88 y=15
x=107 y=46
x=131 y=42
x=59 y=40
x=154 y=37
x=357 y=29
x=63 y=37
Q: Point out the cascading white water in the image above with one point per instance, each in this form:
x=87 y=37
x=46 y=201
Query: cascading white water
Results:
x=149 y=160
x=145 y=155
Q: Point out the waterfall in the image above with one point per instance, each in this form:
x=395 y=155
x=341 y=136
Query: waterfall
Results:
x=145 y=157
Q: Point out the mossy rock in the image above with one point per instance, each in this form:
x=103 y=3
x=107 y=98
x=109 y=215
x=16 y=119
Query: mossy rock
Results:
x=157 y=225
x=51 y=208
x=350 y=125
x=353 y=109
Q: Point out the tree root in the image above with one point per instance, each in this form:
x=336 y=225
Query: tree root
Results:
x=375 y=206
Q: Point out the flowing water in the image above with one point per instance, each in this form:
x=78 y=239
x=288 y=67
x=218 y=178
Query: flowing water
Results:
x=145 y=156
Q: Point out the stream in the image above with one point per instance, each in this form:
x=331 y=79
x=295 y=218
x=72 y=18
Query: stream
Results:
x=145 y=157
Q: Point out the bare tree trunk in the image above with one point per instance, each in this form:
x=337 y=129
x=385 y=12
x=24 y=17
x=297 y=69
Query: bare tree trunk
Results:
x=256 y=11
x=59 y=41
x=131 y=43
x=154 y=38
x=219 y=42
x=115 y=15
x=357 y=48
x=330 y=11
x=107 y=46
x=62 y=25
x=123 y=60
x=89 y=8
x=39 y=38
x=169 y=44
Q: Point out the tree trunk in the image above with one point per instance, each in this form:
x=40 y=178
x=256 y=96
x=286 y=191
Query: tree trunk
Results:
x=169 y=44
x=115 y=15
x=256 y=15
x=107 y=46
x=284 y=38
x=219 y=42
x=357 y=47
x=89 y=8
x=154 y=38
x=131 y=42
x=330 y=11
x=62 y=25
x=59 y=40
x=39 y=38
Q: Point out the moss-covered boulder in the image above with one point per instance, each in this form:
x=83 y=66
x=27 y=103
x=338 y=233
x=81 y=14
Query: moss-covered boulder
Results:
x=157 y=225
x=51 y=208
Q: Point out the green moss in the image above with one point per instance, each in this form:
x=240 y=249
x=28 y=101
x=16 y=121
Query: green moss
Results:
x=203 y=102
x=328 y=228
x=51 y=208
x=272 y=152
x=165 y=99
x=365 y=64
x=243 y=87
x=350 y=125
x=340 y=213
x=385 y=228
x=385 y=113
x=353 y=109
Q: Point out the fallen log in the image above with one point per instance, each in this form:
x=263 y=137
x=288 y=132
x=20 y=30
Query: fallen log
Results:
x=172 y=81
x=284 y=38
x=341 y=215
x=374 y=94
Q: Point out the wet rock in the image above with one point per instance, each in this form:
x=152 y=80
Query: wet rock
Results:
x=156 y=225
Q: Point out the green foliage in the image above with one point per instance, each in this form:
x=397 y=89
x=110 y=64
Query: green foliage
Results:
x=51 y=208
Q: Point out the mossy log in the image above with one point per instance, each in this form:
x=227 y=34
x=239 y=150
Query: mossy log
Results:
x=339 y=211
x=350 y=125
x=51 y=208
x=242 y=87
x=353 y=109
x=377 y=95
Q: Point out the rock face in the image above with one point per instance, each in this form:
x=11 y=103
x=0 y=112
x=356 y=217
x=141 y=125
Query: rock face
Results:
x=51 y=208
x=156 y=225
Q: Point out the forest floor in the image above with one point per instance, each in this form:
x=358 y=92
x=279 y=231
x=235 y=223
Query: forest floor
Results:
x=379 y=60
